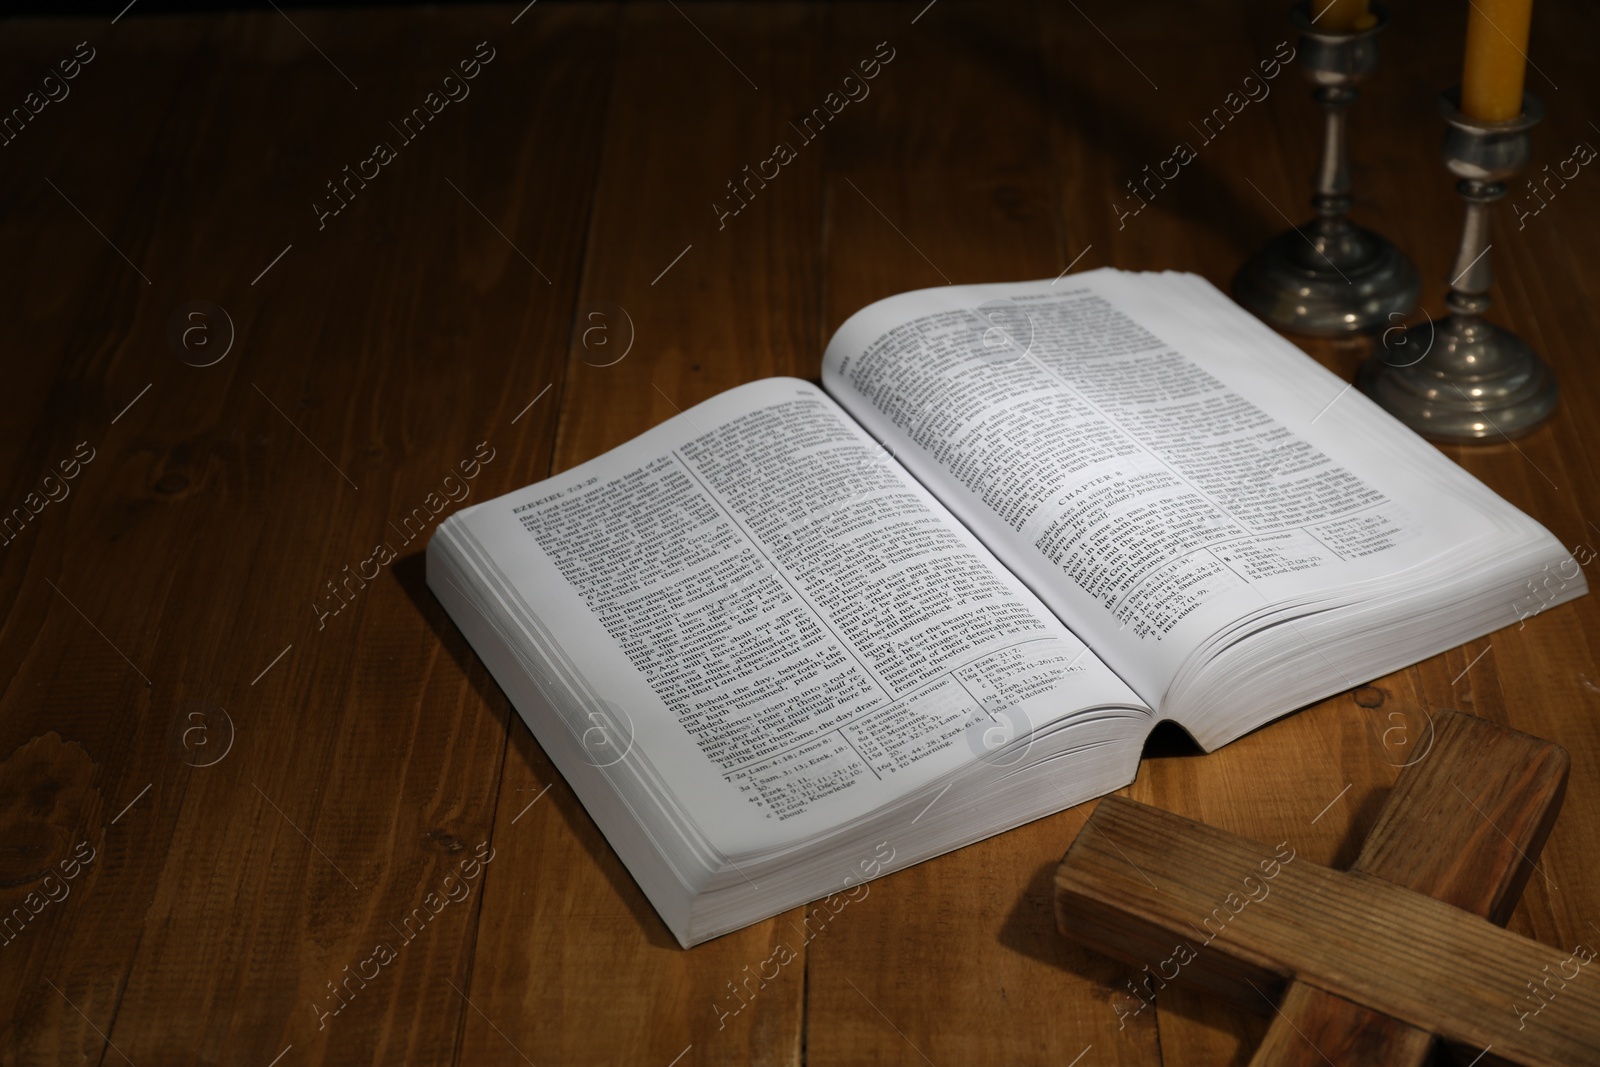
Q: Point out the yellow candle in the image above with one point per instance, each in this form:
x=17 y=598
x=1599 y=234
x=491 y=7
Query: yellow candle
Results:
x=1341 y=16
x=1497 y=59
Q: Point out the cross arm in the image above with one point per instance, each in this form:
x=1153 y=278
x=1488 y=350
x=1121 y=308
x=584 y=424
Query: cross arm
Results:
x=1464 y=824
x=1183 y=899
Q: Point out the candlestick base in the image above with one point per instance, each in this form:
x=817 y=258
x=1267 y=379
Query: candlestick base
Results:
x=1475 y=380
x=1467 y=379
x=1329 y=281
x=1330 y=277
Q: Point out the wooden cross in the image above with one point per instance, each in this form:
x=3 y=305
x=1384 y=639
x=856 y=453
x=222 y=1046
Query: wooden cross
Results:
x=1370 y=966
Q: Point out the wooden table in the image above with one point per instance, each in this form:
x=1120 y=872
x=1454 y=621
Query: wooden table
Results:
x=236 y=873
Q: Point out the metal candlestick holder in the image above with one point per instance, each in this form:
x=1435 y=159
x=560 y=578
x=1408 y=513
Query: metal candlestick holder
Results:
x=1331 y=277
x=1465 y=378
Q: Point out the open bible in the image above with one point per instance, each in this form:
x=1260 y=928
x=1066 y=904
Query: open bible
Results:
x=796 y=637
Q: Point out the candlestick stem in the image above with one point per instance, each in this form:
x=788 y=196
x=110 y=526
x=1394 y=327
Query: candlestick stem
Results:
x=1331 y=277
x=1332 y=197
x=1470 y=274
x=1466 y=379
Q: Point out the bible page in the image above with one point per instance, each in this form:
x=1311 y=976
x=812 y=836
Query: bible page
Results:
x=1158 y=474
x=791 y=629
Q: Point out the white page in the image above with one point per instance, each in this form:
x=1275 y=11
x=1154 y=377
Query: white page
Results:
x=796 y=631
x=1155 y=473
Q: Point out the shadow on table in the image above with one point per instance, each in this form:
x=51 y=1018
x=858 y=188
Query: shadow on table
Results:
x=1030 y=929
x=411 y=572
x=1201 y=195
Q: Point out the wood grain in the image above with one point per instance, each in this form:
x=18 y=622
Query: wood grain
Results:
x=384 y=347
x=1135 y=888
x=1464 y=824
x=226 y=898
x=1313 y=1026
